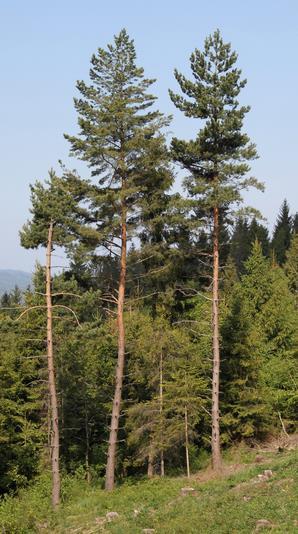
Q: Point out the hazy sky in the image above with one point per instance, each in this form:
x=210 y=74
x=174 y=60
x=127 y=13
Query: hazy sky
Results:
x=46 y=46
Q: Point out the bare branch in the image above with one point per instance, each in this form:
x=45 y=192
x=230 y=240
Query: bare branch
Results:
x=13 y=308
x=110 y=311
x=68 y=294
x=69 y=309
x=205 y=410
x=282 y=424
x=128 y=301
x=194 y=294
x=142 y=260
x=29 y=309
x=154 y=271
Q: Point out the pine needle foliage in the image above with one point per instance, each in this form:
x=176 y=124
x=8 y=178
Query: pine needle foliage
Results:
x=122 y=139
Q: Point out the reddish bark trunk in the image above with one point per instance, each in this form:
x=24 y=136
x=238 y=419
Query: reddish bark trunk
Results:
x=54 y=421
x=215 y=441
x=111 y=460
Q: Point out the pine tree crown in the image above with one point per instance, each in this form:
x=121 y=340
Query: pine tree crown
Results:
x=218 y=158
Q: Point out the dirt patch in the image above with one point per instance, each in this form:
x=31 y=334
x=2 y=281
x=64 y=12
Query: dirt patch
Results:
x=278 y=443
x=272 y=445
x=225 y=471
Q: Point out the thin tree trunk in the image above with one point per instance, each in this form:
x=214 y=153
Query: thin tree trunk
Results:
x=186 y=442
x=111 y=460
x=150 y=465
x=215 y=441
x=162 y=462
x=49 y=455
x=51 y=377
x=87 y=463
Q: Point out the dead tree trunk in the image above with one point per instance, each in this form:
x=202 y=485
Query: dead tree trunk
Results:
x=54 y=441
x=111 y=460
x=87 y=451
x=186 y=442
x=162 y=462
x=150 y=467
x=215 y=440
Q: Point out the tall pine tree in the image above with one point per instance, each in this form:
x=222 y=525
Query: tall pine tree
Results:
x=121 y=139
x=53 y=223
x=217 y=161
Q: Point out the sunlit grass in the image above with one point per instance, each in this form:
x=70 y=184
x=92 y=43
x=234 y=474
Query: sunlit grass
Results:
x=226 y=505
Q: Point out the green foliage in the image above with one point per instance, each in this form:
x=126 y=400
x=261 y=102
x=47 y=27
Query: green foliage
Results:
x=243 y=237
x=156 y=420
x=259 y=332
x=21 y=391
x=217 y=158
x=51 y=203
x=291 y=266
x=244 y=409
x=282 y=233
x=295 y=223
x=86 y=360
x=260 y=233
x=122 y=141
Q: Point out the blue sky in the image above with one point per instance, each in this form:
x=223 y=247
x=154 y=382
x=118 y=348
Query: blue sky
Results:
x=46 y=46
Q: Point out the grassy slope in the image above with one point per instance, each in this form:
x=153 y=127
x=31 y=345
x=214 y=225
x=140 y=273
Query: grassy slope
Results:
x=227 y=505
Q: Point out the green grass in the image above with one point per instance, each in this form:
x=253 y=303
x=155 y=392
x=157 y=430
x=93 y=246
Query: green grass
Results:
x=226 y=505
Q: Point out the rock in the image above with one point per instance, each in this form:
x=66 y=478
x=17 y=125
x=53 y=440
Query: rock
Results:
x=111 y=516
x=246 y=498
x=268 y=473
x=265 y=475
x=187 y=491
x=148 y=530
x=263 y=523
x=136 y=513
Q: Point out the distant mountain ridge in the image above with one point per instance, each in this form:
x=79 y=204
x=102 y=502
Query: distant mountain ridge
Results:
x=9 y=278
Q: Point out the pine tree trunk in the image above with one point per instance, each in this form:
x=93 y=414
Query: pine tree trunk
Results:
x=186 y=442
x=49 y=426
x=162 y=462
x=111 y=460
x=215 y=440
x=52 y=382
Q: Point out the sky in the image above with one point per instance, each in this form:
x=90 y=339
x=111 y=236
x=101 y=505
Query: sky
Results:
x=46 y=46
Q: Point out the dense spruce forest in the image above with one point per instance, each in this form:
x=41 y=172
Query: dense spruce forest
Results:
x=173 y=332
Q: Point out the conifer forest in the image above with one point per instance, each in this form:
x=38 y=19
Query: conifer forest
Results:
x=172 y=334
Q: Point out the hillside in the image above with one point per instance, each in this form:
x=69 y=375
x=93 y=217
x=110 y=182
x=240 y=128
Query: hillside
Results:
x=9 y=278
x=242 y=500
